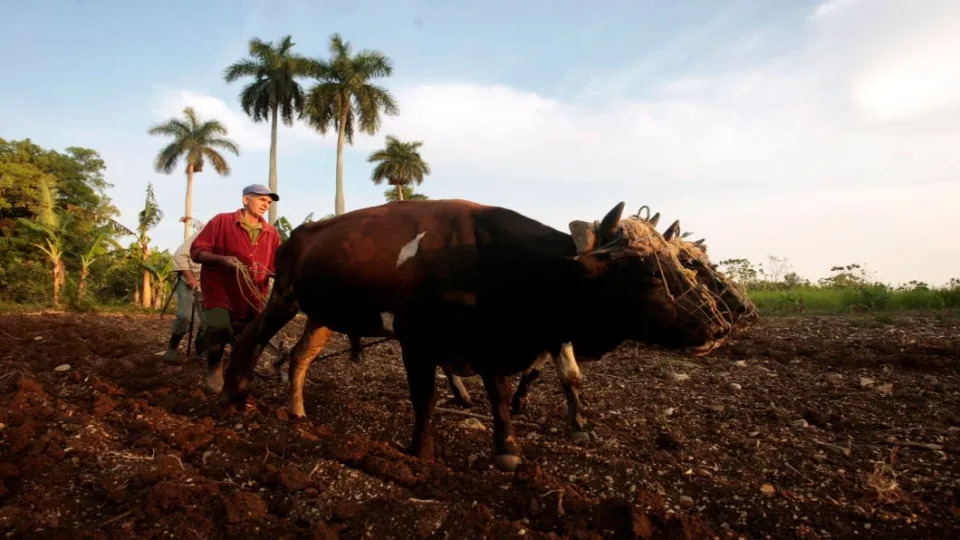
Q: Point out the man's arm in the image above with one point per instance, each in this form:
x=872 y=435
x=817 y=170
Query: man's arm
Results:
x=202 y=249
x=190 y=278
x=206 y=257
x=181 y=260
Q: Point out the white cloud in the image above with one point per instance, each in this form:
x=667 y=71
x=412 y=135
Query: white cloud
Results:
x=829 y=7
x=810 y=131
x=916 y=73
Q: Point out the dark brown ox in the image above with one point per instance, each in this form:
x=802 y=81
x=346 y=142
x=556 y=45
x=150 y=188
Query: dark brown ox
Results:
x=736 y=308
x=476 y=289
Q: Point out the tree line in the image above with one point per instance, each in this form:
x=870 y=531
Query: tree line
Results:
x=775 y=288
x=60 y=235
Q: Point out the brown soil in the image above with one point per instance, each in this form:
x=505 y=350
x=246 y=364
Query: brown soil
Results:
x=806 y=427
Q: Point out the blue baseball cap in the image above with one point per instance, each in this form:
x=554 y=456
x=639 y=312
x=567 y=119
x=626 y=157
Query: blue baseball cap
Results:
x=260 y=189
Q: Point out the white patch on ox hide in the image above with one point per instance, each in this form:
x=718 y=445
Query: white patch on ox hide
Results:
x=387 y=319
x=566 y=364
x=410 y=249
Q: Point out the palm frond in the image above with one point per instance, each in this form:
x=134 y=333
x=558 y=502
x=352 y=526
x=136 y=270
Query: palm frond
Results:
x=255 y=100
x=219 y=164
x=209 y=129
x=168 y=157
x=373 y=64
x=243 y=68
x=172 y=128
x=224 y=144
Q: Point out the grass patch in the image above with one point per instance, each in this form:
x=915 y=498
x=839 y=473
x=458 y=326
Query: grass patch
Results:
x=862 y=299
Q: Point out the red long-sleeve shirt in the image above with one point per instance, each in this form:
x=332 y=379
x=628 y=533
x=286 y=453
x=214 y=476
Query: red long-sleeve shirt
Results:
x=224 y=235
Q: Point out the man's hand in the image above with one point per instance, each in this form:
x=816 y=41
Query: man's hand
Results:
x=230 y=261
x=192 y=283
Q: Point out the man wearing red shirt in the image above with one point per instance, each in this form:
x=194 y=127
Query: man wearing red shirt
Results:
x=230 y=242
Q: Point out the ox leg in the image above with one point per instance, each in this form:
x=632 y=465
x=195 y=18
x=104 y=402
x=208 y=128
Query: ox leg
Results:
x=215 y=369
x=356 y=349
x=311 y=342
x=519 y=404
x=506 y=455
x=568 y=372
x=460 y=395
x=423 y=396
x=250 y=344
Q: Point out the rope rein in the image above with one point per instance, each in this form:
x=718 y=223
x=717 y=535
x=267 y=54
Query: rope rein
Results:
x=244 y=277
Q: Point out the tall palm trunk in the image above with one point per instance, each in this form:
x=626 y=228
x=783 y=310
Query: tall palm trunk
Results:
x=146 y=297
x=273 y=165
x=340 y=140
x=188 y=206
x=399 y=192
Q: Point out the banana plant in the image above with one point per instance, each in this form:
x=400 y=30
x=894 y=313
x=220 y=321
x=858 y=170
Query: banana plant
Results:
x=50 y=230
x=99 y=247
x=160 y=266
x=148 y=218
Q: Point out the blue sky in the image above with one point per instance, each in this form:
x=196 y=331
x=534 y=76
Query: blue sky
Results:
x=820 y=131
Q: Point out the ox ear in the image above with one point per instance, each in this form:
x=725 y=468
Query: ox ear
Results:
x=672 y=230
x=584 y=236
x=610 y=222
x=655 y=219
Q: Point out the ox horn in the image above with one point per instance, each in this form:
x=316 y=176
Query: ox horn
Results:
x=655 y=219
x=612 y=244
x=672 y=230
x=640 y=212
x=700 y=241
x=610 y=223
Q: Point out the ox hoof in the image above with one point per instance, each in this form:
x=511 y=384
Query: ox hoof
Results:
x=272 y=370
x=506 y=462
x=461 y=402
x=583 y=436
x=215 y=382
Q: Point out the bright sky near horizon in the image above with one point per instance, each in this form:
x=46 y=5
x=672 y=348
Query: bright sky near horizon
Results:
x=825 y=132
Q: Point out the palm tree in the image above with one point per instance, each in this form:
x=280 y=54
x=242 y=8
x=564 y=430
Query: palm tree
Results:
x=274 y=91
x=196 y=141
x=399 y=163
x=345 y=98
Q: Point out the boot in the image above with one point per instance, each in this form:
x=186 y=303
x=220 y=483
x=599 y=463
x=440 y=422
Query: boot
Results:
x=171 y=356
